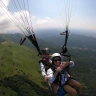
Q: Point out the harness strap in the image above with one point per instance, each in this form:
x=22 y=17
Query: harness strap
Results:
x=47 y=64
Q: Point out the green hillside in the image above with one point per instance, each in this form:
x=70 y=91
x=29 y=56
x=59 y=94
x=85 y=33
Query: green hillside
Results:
x=19 y=71
x=85 y=68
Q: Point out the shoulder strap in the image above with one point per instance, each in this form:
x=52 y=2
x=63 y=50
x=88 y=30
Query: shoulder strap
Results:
x=47 y=64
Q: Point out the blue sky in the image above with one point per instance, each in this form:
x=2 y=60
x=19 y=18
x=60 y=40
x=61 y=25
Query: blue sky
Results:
x=54 y=13
x=83 y=11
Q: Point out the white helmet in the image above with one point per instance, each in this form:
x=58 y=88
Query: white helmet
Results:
x=56 y=55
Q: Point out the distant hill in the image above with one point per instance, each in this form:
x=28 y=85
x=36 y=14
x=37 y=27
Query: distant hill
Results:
x=74 y=40
x=52 y=38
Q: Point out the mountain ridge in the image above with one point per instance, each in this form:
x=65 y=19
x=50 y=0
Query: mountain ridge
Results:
x=74 y=40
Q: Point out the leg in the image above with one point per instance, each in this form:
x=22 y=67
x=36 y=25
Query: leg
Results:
x=70 y=90
x=75 y=84
x=55 y=88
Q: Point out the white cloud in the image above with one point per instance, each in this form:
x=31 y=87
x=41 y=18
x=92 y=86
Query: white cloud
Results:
x=4 y=21
x=46 y=20
x=4 y=2
x=13 y=22
x=85 y=23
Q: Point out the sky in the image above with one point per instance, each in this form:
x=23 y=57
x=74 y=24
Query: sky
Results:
x=33 y=14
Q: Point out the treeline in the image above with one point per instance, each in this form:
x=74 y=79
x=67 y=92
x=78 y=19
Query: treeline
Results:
x=21 y=86
x=85 y=68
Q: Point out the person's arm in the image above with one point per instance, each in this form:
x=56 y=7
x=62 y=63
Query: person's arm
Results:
x=64 y=64
x=43 y=72
x=55 y=74
x=46 y=78
x=58 y=69
x=50 y=75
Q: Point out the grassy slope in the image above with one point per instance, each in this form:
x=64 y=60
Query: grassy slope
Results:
x=20 y=60
x=16 y=58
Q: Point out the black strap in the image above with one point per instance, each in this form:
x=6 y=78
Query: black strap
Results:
x=48 y=64
x=66 y=37
x=64 y=51
x=32 y=38
x=22 y=41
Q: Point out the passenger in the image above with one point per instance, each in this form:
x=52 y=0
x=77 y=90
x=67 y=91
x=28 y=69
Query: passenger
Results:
x=63 y=78
x=45 y=60
x=59 y=76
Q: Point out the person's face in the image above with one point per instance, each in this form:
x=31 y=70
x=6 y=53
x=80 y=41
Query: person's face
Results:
x=57 y=61
x=46 y=55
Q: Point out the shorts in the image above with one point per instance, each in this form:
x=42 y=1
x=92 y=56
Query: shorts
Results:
x=66 y=83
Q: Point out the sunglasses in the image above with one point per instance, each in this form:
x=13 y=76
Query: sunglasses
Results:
x=57 y=60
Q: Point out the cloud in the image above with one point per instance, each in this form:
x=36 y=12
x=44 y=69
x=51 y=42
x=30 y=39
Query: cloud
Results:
x=4 y=2
x=85 y=23
x=46 y=20
x=12 y=22
x=4 y=20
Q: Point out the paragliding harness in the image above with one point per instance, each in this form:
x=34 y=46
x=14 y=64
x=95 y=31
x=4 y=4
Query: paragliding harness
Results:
x=46 y=64
x=61 y=77
x=64 y=52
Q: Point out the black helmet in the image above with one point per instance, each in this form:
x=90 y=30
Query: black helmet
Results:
x=46 y=51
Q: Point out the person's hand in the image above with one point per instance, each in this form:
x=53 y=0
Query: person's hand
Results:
x=64 y=64
x=69 y=75
x=46 y=79
x=72 y=63
x=58 y=69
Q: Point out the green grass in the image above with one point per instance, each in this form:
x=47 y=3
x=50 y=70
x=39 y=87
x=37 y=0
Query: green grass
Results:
x=17 y=58
x=21 y=61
